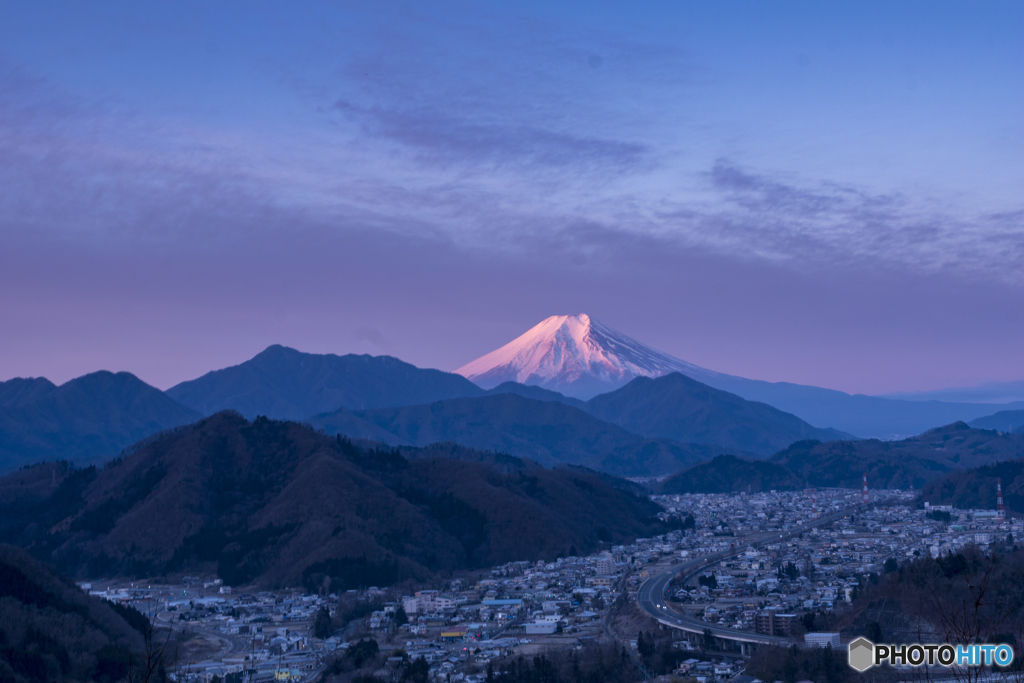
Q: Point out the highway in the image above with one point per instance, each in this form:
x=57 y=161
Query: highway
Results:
x=651 y=596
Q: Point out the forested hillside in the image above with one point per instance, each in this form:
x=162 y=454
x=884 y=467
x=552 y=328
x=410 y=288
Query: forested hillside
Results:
x=976 y=488
x=550 y=432
x=899 y=464
x=52 y=631
x=276 y=502
x=729 y=474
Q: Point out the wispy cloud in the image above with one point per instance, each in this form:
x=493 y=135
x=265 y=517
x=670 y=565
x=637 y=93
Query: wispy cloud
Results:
x=828 y=224
x=489 y=183
x=447 y=139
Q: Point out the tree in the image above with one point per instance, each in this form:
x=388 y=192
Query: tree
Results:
x=891 y=565
x=808 y=621
x=323 y=627
x=401 y=618
x=362 y=652
x=708 y=641
x=789 y=571
x=418 y=671
x=645 y=645
x=710 y=581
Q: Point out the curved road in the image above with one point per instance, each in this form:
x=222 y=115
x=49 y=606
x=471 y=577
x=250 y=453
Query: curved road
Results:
x=651 y=596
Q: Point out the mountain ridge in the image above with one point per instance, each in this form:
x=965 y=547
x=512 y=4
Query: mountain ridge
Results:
x=92 y=417
x=284 y=383
x=549 y=432
x=678 y=407
x=946 y=454
x=277 y=503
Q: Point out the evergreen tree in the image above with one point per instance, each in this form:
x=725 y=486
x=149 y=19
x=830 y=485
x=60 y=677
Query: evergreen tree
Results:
x=323 y=627
x=418 y=671
x=644 y=645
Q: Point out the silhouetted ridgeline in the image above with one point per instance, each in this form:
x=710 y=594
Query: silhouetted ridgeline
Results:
x=940 y=458
x=287 y=384
x=278 y=503
x=677 y=407
x=898 y=464
x=1003 y=421
x=89 y=418
x=549 y=432
x=52 y=631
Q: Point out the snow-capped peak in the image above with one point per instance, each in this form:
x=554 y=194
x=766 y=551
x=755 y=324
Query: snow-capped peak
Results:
x=573 y=354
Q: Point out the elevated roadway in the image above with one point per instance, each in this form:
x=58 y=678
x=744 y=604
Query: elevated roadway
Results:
x=651 y=596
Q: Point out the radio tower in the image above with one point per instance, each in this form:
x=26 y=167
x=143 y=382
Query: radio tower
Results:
x=814 y=505
x=1000 y=512
x=865 y=487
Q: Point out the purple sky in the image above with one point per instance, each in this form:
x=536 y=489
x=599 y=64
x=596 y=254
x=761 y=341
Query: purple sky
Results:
x=788 y=191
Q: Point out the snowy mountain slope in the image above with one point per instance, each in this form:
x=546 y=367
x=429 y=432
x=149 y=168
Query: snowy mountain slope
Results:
x=577 y=356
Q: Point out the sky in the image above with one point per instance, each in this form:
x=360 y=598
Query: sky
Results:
x=820 y=193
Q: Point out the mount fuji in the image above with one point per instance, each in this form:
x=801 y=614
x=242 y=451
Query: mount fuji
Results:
x=577 y=356
x=581 y=357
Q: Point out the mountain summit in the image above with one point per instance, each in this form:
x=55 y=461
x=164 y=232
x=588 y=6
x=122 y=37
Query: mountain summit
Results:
x=580 y=357
x=575 y=355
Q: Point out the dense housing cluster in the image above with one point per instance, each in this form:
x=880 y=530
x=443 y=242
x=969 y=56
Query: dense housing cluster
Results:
x=458 y=628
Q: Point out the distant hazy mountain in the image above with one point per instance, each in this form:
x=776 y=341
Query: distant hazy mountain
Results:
x=990 y=392
x=677 y=407
x=279 y=504
x=940 y=460
x=898 y=464
x=729 y=474
x=89 y=418
x=21 y=391
x=581 y=357
x=534 y=392
x=283 y=383
x=1003 y=421
x=864 y=416
x=548 y=432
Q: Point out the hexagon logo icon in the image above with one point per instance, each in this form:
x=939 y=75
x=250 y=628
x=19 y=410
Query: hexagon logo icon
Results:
x=862 y=654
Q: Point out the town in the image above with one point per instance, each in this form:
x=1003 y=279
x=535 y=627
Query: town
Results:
x=783 y=589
